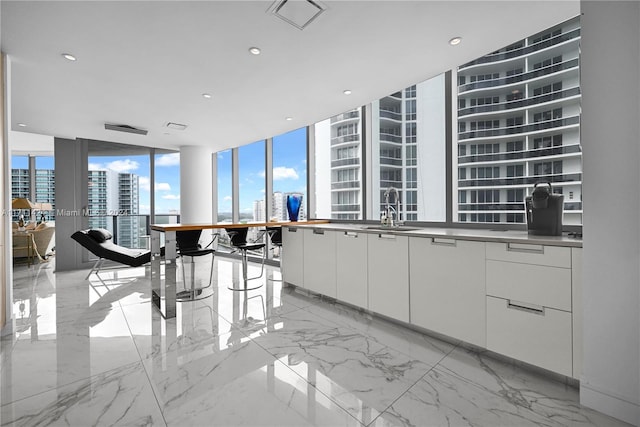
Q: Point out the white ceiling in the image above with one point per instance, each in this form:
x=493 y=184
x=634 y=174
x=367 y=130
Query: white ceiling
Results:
x=147 y=63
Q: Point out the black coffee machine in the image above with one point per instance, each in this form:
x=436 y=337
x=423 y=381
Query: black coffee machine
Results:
x=544 y=211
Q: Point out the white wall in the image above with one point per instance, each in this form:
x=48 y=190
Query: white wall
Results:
x=196 y=190
x=610 y=72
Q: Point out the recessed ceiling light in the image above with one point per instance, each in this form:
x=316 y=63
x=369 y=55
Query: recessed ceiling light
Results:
x=289 y=119
x=254 y=50
x=206 y=95
x=455 y=41
x=347 y=92
x=69 y=56
x=22 y=125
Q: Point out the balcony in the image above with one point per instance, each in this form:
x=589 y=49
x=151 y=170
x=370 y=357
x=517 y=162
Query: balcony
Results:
x=481 y=207
x=501 y=56
x=388 y=137
x=345 y=116
x=390 y=114
x=522 y=181
x=521 y=103
x=345 y=162
x=517 y=130
x=484 y=84
x=346 y=138
x=520 y=155
x=345 y=184
x=345 y=208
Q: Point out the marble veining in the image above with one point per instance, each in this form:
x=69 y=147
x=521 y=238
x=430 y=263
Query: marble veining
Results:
x=97 y=352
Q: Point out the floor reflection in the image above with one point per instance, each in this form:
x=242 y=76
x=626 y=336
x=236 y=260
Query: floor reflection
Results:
x=98 y=352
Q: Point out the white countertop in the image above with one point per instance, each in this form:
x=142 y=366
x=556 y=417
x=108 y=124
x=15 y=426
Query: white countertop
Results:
x=484 y=235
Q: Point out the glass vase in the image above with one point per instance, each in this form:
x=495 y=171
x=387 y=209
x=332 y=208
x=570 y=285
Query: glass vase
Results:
x=293 y=206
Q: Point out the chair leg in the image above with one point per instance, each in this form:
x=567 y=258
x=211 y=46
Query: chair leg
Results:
x=194 y=293
x=245 y=273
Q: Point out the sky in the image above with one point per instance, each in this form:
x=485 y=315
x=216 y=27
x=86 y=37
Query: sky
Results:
x=289 y=172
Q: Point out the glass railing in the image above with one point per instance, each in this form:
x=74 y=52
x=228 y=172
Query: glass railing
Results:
x=345 y=184
x=529 y=180
x=342 y=139
x=515 y=130
x=390 y=114
x=501 y=56
x=345 y=162
x=505 y=206
x=520 y=103
x=520 y=155
x=387 y=137
x=345 y=116
x=483 y=84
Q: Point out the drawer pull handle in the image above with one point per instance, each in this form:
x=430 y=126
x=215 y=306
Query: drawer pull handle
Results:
x=351 y=234
x=292 y=230
x=316 y=231
x=529 y=308
x=528 y=249
x=386 y=236
x=443 y=242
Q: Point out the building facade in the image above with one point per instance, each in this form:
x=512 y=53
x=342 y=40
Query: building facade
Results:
x=518 y=125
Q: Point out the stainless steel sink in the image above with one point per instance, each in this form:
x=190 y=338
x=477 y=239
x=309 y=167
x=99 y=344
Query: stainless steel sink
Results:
x=386 y=229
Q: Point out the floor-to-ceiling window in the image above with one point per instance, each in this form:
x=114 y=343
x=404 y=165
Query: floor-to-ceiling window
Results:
x=338 y=165
x=166 y=189
x=251 y=191
x=224 y=186
x=518 y=124
x=408 y=152
x=289 y=172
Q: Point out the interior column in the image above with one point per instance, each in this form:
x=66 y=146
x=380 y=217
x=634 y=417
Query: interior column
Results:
x=196 y=185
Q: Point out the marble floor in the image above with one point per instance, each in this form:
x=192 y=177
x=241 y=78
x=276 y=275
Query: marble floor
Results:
x=97 y=353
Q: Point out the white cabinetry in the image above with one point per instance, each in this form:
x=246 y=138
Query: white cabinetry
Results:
x=576 y=286
x=447 y=283
x=388 y=270
x=529 y=307
x=351 y=267
x=320 y=261
x=291 y=263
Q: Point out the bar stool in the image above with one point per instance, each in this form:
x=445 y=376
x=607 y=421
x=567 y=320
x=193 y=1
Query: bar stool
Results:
x=187 y=243
x=275 y=235
x=238 y=239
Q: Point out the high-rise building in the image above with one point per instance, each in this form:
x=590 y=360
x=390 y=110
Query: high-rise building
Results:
x=259 y=211
x=115 y=194
x=129 y=231
x=519 y=124
x=346 y=170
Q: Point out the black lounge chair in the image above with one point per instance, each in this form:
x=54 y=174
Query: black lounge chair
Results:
x=99 y=242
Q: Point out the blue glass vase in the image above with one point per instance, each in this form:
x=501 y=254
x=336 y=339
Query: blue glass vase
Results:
x=293 y=206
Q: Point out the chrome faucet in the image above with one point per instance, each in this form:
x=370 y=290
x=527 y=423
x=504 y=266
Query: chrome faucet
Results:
x=392 y=212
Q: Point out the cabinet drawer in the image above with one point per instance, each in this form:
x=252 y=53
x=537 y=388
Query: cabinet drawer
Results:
x=533 y=284
x=553 y=256
x=539 y=338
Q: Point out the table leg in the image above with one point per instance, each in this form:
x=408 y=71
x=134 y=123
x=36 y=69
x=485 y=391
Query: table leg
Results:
x=164 y=290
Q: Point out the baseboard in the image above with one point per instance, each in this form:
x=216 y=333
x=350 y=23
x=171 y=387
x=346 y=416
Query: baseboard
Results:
x=608 y=404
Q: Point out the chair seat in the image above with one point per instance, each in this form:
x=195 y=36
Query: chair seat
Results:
x=197 y=252
x=251 y=246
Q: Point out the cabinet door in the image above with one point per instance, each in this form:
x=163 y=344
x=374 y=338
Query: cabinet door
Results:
x=447 y=282
x=537 y=335
x=291 y=262
x=388 y=270
x=351 y=268
x=320 y=261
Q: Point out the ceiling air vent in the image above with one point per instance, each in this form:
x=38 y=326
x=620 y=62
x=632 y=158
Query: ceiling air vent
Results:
x=298 y=13
x=125 y=128
x=176 y=126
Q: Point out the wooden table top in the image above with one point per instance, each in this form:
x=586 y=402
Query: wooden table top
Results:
x=187 y=227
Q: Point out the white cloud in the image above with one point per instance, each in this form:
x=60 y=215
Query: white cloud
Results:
x=172 y=159
x=125 y=165
x=143 y=182
x=144 y=209
x=227 y=198
x=163 y=186
x=171 y=197
x=282 y=172
x=95 y=166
